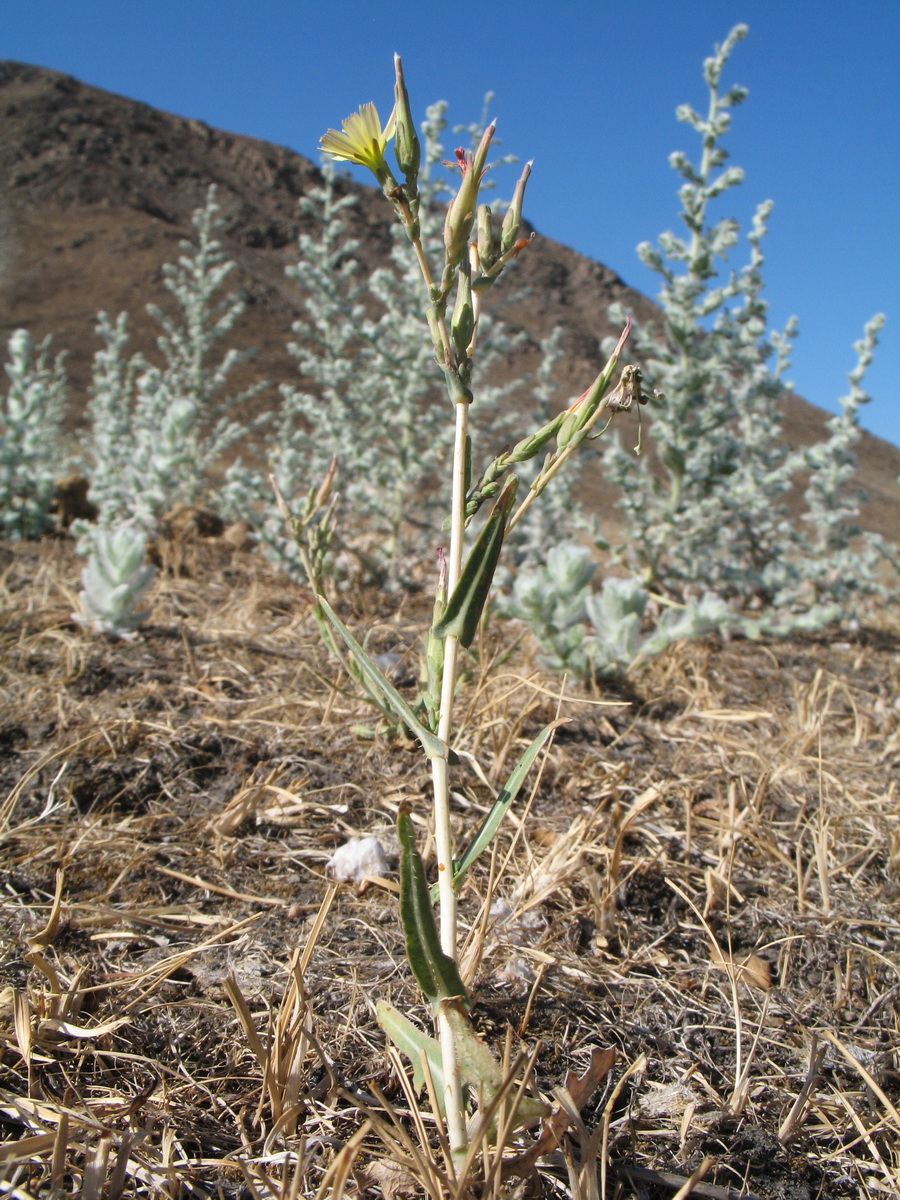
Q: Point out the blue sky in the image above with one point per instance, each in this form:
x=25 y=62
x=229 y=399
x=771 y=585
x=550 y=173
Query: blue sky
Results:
x=586 y=89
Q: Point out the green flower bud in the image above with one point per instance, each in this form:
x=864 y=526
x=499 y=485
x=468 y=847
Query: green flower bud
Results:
x=528 y=447
x=487 y=243
x=567 y=430
x=513 y=218
x=462 y=324
x=461 y=211
x=406 y=142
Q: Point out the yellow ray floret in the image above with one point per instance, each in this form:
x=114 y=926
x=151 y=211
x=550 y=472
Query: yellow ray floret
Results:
x=362 y=140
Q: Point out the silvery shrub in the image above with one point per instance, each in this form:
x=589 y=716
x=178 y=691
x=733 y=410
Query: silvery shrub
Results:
x=114 y=581
x=157 y=430
x=32 y=452
x=707 y=528
x=711 y=511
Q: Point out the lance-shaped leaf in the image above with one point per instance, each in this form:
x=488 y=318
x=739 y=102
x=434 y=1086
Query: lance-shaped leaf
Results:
x=482 y=1072
x=433 y=746
x=489 y=826
x=436 y=973
x=465 y=606
x=411 y=1041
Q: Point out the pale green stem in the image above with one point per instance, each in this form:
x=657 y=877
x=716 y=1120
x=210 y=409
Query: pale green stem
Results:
x=443 y=834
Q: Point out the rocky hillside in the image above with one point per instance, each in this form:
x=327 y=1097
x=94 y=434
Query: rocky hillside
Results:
x=98 y=190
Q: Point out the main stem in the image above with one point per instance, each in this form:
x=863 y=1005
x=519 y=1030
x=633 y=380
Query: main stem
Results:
x=440 y=767
x=443 y=835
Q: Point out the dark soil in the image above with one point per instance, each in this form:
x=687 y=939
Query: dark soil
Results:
x=188 y=788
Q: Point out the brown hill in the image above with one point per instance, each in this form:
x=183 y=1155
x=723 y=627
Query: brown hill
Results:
x=99 y=189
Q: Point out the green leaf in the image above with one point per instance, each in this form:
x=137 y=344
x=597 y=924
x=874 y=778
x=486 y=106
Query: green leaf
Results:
x=477 y=1064
x=411 y=1041
x=482 y=1072
x=465 y=606
x=436 y=972
x=432 y=745
x=488 y=827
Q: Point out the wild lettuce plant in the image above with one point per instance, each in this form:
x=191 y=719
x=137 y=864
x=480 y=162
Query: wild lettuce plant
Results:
x=31 y=442
x=363 y=364
x=459 y=1069
x=709 y=509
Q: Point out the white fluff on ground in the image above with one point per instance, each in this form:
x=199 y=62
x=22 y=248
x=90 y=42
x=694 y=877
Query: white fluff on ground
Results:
x=357 y=859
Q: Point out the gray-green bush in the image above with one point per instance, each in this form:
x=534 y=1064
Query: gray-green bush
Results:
x=711 y=511
x=114 y=581
x=32 y=449
x=157 y=431
x=706 y=515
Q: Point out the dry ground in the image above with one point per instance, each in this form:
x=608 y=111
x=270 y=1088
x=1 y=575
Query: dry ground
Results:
x=706 y=878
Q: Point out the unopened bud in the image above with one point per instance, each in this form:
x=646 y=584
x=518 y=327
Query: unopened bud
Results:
x=406 y=144
x=528 y=447
x=462 y=324
x=461 y=212
x=567 y=430
x=513 y=218
x=487 y=244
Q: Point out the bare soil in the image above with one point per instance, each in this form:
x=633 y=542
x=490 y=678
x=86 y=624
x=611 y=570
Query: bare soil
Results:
x=706 y=878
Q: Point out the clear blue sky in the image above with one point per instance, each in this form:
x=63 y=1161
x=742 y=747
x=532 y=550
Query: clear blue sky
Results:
x=586 y=89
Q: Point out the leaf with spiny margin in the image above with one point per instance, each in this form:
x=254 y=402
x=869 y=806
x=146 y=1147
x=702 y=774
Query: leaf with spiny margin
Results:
x=432 y=745
x=436 y=972
x=464 y=608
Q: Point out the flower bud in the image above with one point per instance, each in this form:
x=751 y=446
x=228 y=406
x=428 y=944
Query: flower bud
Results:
x=406 y=143
x=462 y=324
x=513 y=218
x=461 y=211
x=567 y=430
x=487 y=244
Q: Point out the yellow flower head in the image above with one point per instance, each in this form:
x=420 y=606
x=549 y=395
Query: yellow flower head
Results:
x=362 y=140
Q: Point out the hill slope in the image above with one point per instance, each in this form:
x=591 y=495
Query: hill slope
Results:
x=99 y=189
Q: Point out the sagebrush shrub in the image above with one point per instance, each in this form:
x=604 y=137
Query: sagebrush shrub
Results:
x=114 y=581
x=708 y=533
x=32 y=452
x=157 y=431
x=710 y=512
x=601 y=633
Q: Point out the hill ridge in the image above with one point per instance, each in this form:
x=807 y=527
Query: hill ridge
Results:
x=99 y=188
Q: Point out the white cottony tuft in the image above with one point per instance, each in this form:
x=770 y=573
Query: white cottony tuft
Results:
x=358 y=859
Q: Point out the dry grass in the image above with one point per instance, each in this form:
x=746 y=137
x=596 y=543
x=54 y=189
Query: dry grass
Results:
x=706 y=880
